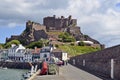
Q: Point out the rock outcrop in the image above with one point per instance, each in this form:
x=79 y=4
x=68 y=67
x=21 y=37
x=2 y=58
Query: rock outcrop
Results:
x=33 y=32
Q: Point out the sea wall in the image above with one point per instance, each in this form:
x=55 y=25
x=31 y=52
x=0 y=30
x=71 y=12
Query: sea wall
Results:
x=100 y=62
x=19 y=65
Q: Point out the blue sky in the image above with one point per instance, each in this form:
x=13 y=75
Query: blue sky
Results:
x=100 y=19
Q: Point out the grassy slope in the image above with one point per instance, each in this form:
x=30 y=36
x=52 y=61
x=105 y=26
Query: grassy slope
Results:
x=77 y=50
x=74 y=50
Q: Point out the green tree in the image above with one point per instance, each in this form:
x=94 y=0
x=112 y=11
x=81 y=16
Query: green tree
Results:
x=85 y=36
x=81 y=43
x=8 y=44
x=1 y=46
x=66 y=37
x=56 y=45
x=38 y=44
x=72 y=44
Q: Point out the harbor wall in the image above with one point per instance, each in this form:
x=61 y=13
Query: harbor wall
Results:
x=100 y=62
x=19 y=65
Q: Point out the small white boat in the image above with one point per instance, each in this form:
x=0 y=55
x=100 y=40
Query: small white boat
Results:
x=27 y=75
x=5 y=68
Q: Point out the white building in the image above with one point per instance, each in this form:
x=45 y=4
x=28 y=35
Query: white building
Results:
x=45 y=53
x=86 y=42
x=27 y=56
x=3 y=54
x=19 y=53
x=64 y=57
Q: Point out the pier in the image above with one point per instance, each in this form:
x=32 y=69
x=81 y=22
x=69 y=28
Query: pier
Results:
x=68 y=72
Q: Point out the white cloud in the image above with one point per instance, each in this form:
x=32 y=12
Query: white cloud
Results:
x=84 y=6
x=98 y=18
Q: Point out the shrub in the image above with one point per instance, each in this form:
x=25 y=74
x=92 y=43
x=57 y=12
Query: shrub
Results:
x=81 y=43
x=8 y=44
x=56 y=45
x=66 y=37
x=38 y=44
x=72 y=44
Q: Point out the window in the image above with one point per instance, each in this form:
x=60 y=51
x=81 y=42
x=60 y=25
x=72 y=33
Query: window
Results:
x=45 y=55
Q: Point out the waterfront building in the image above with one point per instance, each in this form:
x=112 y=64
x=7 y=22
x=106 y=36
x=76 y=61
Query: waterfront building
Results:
x=45 y=53
x=36 y=54
x=59 y=54
x=3 y=54
x=21 y=54
x=28 y=56
x=16 y=53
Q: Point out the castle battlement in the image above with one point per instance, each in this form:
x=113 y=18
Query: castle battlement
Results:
x=33 y=25
x=53 y=23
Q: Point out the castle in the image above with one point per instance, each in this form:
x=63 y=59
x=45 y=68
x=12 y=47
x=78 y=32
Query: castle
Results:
x=53 y=23
x=33 y=25
x=36 y=31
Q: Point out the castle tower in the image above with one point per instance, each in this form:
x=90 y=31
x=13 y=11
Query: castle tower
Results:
x=29 y=25
x=53 y=23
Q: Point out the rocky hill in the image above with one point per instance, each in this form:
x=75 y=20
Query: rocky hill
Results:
x=35 y=31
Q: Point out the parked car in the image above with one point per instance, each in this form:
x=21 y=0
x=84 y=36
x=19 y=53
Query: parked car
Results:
x=59 y=62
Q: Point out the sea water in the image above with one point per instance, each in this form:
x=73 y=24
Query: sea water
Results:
x=12 y=74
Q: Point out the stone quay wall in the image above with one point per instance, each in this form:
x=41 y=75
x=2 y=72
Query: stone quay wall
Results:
x=105 y=63
x=19 y=65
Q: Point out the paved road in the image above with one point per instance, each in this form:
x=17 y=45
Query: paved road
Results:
x=69 y=72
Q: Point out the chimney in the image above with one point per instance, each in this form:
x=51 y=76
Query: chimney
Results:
x=35 y=49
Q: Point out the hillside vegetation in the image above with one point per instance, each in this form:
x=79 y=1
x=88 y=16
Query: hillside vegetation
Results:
x=77 y=50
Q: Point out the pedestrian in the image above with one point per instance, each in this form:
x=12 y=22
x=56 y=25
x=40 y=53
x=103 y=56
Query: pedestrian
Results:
x=66 y=62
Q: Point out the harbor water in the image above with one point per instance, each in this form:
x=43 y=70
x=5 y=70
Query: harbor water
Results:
x=12 y=74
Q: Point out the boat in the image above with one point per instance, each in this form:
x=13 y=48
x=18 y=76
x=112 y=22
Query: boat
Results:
x=29 y=73
x=4 y=68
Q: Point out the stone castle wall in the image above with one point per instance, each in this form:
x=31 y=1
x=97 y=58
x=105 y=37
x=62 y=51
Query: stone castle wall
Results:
x=74 y=30
x=53 y=23
x=36 y=26
x=100 y=62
